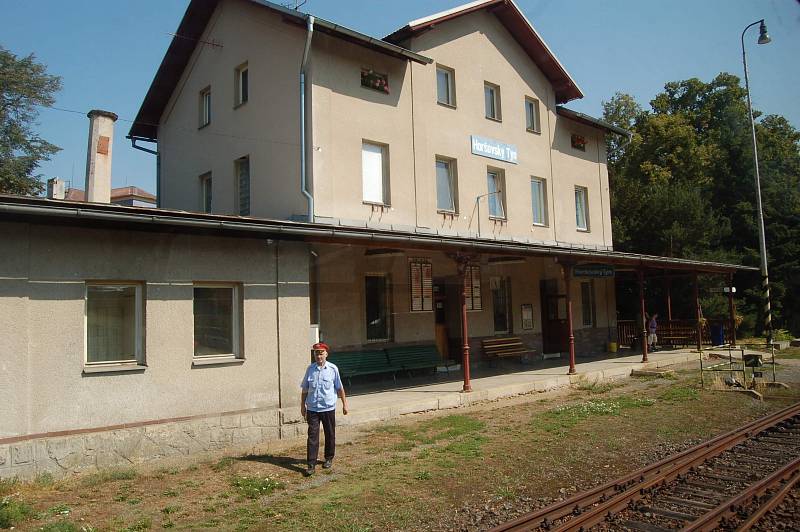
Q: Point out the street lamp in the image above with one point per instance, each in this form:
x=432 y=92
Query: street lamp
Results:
x=763 y=38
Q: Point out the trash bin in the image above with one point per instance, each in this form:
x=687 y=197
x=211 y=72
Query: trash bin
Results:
x=717 y=335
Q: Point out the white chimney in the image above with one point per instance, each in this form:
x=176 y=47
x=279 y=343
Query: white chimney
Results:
x=56 y=188
x=98 y=156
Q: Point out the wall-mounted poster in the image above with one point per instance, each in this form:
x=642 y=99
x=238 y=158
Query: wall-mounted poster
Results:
x=527 y=316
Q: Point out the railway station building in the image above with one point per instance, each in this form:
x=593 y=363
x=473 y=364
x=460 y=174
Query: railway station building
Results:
x=427 y=192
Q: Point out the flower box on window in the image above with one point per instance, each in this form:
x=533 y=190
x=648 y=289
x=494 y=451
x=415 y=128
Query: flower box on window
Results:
x=374 y=80
x=579 y=142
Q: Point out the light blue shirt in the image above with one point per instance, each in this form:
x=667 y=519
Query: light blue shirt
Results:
x=322 y=385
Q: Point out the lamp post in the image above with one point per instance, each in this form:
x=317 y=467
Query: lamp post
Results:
x=763 y=38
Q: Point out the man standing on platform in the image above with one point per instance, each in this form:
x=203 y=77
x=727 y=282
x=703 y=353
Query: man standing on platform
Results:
x=321 y=385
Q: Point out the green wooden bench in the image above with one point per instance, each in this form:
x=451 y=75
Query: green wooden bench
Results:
x=356 y=363
x=411 y=357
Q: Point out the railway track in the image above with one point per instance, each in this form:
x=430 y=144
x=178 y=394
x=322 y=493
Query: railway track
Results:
x=729 y=482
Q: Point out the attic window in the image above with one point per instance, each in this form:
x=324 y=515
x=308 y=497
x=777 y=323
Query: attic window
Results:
x=374 y=80
x=578 y=142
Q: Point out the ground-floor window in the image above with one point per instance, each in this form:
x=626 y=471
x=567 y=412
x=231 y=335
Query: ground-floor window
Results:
x=217 y=316
x=421 y=282
x=114 y=323
x=377 y=306
x=501 y=304
x=588 y=304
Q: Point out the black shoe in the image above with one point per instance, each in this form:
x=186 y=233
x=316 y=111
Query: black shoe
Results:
x=309 y=471
x=328 y=464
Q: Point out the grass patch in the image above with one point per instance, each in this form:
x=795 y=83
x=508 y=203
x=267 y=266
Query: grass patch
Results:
x=108 y=475
x=61 y=526
x=565 y=417
x=143 y=523
x=596 y=387
x=469 y=446
x=255 y=487
x=44 y=480
x=8 y=485
x=677 y=394
x=13 y=511
x=433 y=431
x=223 y=463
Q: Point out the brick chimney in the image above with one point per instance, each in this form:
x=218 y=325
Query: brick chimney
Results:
x=56 y=188
x=98 y=156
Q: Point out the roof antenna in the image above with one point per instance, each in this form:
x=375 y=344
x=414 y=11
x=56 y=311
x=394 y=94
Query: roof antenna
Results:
x=297 y=4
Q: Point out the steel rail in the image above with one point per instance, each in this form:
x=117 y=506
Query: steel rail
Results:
x=773 y=501
x=714 y=518
x=615 y=495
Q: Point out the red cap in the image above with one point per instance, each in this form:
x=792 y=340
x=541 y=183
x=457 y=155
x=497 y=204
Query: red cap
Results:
x=320 y=345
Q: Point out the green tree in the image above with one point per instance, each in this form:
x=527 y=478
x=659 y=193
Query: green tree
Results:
x=684 y=187
x=24 y=84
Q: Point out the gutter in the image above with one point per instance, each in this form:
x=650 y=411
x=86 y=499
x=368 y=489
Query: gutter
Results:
x=303 y=133
x=158 y=162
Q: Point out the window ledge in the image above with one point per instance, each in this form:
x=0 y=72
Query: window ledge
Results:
x=113 y=368
x=539 y=225
x=202 y=126
x=584 y=230
x=501 y=219
x=534 y=131
x=448 y=105
x=445 y=212
x=499 y=120
x=240 y=104
x=217 y=361
x=377 y=204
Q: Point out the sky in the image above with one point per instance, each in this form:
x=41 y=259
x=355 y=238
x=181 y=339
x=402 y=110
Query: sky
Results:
x=107 y=52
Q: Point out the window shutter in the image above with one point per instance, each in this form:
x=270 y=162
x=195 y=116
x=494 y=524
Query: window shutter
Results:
x=421 y=280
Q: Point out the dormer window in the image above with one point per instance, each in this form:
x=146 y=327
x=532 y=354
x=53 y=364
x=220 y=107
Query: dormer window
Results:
x=374 y=80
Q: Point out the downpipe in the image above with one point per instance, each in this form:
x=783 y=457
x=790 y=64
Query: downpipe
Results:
x=303 y=143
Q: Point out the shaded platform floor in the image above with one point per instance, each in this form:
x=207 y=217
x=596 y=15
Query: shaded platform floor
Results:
x=383 y=400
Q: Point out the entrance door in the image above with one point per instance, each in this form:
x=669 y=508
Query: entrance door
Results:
x=555 y=331
x=501 y=304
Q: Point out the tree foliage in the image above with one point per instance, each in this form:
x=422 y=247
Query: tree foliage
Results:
x=24 y=84
x=685 y=187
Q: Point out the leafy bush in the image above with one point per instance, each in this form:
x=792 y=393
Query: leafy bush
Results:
x=13 y=511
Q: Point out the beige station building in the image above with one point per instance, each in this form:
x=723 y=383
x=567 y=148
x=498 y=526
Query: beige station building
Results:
x=313 y=183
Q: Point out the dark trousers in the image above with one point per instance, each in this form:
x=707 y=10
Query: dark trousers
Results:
x=328 y=420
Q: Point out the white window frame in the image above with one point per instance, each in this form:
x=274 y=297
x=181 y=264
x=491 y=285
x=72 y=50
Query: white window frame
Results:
x=542 y=201
x=497 y=114
x=205 y=107
x=241 y=85
x=452 y=169
x=236 y=325
x=450 y=76
x=241 y=208
x=138 y=359
x=533 y=121
x=582 y=191
x=371 y=193
x=206 y=193
x=500 y=186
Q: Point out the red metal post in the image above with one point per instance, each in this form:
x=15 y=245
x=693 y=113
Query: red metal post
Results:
x=567 y=269
x=640 y=275
x=697 y=312
x=463 y=267
x=732 y=309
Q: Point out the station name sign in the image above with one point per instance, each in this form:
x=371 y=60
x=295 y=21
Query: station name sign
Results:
x=493 y=149
x=593 y=270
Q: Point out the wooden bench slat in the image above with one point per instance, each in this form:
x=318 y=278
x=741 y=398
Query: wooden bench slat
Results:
x=504 y=347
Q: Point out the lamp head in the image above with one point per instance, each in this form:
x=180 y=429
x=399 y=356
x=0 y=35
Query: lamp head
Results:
x=763 y=37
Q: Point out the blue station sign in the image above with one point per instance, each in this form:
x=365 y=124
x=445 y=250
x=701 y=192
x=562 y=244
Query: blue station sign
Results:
x=493 y=149
x=593 y=270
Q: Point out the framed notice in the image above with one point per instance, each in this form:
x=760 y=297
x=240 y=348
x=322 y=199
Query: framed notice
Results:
x=527 y=316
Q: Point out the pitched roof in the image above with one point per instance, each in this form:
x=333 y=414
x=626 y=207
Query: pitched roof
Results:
x=186 y=38
x=518 y=26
